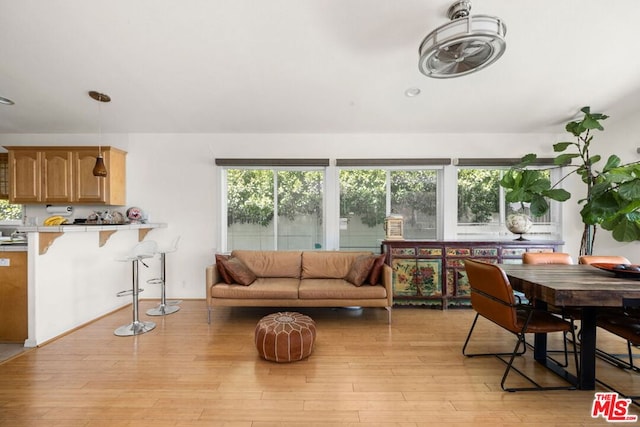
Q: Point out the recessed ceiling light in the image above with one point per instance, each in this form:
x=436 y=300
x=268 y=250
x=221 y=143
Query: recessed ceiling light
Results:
x=412 y=91
x=6 y=101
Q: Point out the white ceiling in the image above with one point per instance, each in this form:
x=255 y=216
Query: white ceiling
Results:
x=290 y=66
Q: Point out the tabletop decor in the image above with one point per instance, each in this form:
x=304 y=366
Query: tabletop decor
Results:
x=134 y=214
x=627 y=271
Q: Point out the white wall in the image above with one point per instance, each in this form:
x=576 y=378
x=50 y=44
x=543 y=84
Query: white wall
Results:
x=174 y=179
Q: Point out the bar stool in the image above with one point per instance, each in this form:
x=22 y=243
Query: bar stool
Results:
x=141 y=251
x=164 y=307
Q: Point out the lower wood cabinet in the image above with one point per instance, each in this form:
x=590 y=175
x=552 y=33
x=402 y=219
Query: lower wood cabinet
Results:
x=13 y=297
x=431 y=273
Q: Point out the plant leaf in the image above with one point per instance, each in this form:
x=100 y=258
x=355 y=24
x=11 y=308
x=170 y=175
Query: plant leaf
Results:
x=558 y=194
x=539 y=205
x=627 y=230
x=612 y=162
x=563 y=159
x=630 y=190
x=574 y=128
x=589 y=122
x=561 y=146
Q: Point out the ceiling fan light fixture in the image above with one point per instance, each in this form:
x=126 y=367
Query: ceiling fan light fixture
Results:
x=465 y=45
x=6 y=101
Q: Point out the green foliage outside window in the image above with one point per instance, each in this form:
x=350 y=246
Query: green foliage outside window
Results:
x=478 y=195
x=9 y=211
x=249 y=196
x=299 y=193
x=413 y=192
x=363 y=194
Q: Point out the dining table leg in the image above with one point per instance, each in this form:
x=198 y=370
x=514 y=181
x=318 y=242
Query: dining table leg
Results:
x=587 y=378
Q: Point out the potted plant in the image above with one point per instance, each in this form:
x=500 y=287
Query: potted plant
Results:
x=612 y=198
x=528 y=189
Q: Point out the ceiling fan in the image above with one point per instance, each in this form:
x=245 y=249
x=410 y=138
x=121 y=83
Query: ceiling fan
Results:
x=465 y=45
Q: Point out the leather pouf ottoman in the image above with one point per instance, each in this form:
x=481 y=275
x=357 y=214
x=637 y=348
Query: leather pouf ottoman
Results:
x=285 y=337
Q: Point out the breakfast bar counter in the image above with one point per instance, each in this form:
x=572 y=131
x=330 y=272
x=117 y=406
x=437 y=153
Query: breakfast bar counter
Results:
x=51 y=233
x=75 y=274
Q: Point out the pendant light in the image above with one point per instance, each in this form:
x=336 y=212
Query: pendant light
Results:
x=99 y=170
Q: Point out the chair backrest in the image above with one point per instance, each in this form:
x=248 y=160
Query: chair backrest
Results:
x=546 y=258
x=491 y=294
x=145 y=249
x=173 y=246
x=611 y=259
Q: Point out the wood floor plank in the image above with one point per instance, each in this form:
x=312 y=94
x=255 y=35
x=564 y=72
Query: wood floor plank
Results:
x=363 y=372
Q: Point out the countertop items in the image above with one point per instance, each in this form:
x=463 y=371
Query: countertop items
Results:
x=87 y=227
x=13 y=243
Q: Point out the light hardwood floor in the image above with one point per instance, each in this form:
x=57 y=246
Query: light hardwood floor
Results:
x=363 y=372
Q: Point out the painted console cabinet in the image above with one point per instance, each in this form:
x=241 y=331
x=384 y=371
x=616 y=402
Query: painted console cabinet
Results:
x=431 y=273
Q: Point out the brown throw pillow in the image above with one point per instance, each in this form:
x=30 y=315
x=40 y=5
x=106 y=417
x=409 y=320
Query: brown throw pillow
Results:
x=239 y=272
x=224 y=275
x=376 y=270
x=360 y=269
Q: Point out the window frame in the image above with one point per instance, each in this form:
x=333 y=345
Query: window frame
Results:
x=437 y=165
x=555 y=207
x=282 y=166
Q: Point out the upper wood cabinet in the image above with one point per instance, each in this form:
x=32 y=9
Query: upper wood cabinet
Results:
x=4 y=176
x=65 y=175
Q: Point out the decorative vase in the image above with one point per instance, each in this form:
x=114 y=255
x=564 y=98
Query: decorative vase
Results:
x=519 y=223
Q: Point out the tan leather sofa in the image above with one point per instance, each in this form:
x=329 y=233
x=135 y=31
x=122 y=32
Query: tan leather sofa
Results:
x=299 y=279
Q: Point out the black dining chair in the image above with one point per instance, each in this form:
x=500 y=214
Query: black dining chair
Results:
x=492 y=298
x=624 y=323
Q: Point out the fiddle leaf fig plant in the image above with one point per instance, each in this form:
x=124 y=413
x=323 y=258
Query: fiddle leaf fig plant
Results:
x=531 y=186
x=612 y=197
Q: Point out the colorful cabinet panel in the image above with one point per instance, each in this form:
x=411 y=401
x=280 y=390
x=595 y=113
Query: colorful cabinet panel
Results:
x=431 y=273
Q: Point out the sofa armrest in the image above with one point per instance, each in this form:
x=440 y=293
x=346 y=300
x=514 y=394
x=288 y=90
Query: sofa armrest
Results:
x=212 y=277
x=386 y=279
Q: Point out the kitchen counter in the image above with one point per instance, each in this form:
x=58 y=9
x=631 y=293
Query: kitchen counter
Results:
x=48 y=234
x=87 y=227
x=14 y=247
x=75 y=273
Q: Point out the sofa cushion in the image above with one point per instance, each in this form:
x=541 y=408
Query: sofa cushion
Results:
x=223 y=271
x=261 y=288
x=238 y=271
x=360 y=269
x=376 y=270
x=338 y=289
x=271 y=263
x=328 y=264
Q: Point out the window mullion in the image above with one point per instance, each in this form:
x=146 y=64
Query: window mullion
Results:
x=275 y=209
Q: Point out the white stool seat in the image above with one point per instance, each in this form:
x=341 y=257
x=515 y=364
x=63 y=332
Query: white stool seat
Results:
x=165 y=307
x=141 y=251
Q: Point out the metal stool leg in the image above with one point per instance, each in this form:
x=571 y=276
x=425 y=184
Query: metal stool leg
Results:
x=163 y=308
x=136 y=327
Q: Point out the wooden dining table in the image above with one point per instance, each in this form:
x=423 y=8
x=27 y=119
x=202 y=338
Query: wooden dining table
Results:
x=582 y=287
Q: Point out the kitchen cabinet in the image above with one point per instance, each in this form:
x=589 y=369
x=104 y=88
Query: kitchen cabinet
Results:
x=91 y=189
x=13 y=296
x=65 y=175
x=4 y=176
x=431 y=273
x=56 y=176
x=25 y=176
